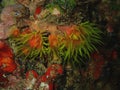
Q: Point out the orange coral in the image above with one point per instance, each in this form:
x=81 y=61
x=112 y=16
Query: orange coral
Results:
x=16 y=32
x=7 y=64
x=53 y=41
x=25 y=50
x=68 y=30
x=35 y=41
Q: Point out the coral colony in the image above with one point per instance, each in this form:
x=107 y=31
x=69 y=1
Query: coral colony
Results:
x=57 y=44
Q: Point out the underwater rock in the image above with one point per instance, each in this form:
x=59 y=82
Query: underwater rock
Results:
x=13 y=15
x=6 y=15
x=3 y=28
